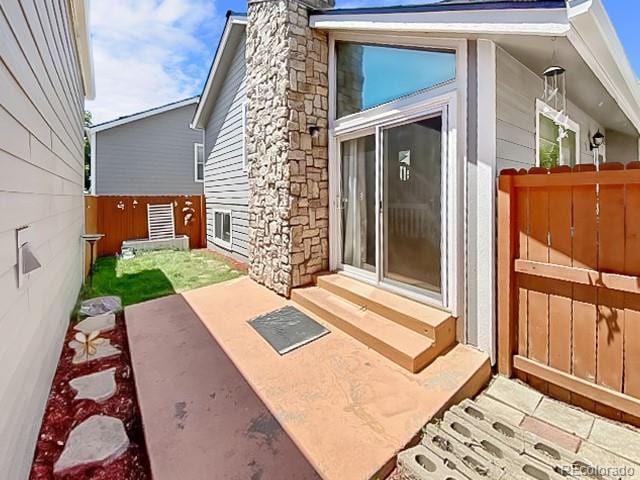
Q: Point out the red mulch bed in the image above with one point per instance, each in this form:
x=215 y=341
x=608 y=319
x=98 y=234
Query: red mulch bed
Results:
x=63 y=413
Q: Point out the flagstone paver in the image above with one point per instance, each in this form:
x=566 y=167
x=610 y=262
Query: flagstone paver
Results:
x=99 y=386
x=97 y=439
x=100 y=323
x=102 y=350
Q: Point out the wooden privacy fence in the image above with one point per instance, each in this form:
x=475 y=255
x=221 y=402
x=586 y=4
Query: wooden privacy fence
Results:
x=569 y=283
x=125 y=218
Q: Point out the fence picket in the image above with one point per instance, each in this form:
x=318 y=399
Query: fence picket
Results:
x=538 y=311
x=611 y=248
x=561 y=293
x=632 y=302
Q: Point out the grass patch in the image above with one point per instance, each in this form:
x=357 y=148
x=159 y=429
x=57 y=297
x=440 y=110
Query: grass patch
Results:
x=156 y=274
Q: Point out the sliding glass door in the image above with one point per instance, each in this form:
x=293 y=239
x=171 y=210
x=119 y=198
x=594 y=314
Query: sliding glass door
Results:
x=412 y=204
x=391 y=200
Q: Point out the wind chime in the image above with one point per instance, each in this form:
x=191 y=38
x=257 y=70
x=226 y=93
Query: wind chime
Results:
x=555 y=84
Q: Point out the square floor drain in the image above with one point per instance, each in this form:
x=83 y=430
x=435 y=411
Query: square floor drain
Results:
x=287 y=329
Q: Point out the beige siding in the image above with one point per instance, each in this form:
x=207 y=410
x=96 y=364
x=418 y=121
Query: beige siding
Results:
x=41 y=185
x=517 y=91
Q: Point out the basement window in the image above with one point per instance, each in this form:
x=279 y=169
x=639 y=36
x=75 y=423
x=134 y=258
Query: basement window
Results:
x=222 y=228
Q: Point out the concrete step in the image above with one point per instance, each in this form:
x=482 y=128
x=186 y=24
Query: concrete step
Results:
x=407 y=348
x=431 y=322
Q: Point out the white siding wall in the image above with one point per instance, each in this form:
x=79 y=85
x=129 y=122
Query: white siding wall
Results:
x=41 y=159
x=517 y=91
x=226 y=182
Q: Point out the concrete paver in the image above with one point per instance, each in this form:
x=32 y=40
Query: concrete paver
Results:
x=513 y=393
x=620 y=440
x=499 y=409
x=551 y=433
x=606 y=459
x=564 y=416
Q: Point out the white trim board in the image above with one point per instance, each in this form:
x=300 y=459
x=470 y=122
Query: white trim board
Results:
x=82 y=34
x=548 y=22
x=139 y=116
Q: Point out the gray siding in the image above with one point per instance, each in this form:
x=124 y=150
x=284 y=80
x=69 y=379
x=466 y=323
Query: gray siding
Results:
x=41 y=158
x=150 y=156
x=226 y=184
x=517 y=91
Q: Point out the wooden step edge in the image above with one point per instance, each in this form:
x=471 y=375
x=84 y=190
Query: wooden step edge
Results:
x=406 y=361
x=440 y=332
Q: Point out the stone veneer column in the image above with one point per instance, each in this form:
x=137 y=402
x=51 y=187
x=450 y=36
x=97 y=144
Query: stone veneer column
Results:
x=287 y=95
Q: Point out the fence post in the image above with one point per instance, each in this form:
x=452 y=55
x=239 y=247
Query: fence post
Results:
x=506 y=277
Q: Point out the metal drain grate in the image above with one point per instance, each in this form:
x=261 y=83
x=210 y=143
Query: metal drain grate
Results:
x=287 y=329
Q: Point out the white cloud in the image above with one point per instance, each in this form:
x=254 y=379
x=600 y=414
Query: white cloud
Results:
x=149 y=52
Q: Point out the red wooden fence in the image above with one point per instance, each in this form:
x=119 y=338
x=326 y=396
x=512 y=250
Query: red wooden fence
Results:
x=125 y=218
x=569 y=277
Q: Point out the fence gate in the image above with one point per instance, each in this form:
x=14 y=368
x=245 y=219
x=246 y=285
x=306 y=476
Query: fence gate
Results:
x=569 y=284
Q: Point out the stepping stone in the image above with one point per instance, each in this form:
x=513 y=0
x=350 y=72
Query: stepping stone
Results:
x=101 y=323
x=99 y=387
x=103 y=350
x=96 y=440
x=100 y=306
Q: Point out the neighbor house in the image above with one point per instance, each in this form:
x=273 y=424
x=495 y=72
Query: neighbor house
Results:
x=45 y=76
x=366 y=142
x=153 y=152
x=147 y=158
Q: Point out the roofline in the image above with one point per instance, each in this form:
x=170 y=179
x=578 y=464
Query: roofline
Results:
x=596 y=40
x=81 y=29
x=531 y=20
x=233 y=21
x=144 y=114
x=445 y=7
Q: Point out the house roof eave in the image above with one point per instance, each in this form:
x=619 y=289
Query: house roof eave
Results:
x=594 y=37
x=140 y=115
x=551 y=20
x=80 y=22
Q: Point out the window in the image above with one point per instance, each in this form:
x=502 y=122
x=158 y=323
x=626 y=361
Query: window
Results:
x=198 y=154
x=222 y=228
x=244 y=136
x=558 y=138
x=370 y=75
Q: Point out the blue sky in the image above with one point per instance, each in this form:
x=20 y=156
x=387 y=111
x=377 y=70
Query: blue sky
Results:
x=151 y=52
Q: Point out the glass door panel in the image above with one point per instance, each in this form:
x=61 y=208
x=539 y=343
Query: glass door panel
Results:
x=358 y=202
x=412 y=204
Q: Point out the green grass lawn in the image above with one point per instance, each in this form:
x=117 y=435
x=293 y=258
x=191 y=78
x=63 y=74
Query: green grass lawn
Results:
x=156 y=274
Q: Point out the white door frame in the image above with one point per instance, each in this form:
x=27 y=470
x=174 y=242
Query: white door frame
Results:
x=451 y=99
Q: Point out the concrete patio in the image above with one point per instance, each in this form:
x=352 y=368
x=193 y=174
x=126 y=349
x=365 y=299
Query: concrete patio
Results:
x=215 y=397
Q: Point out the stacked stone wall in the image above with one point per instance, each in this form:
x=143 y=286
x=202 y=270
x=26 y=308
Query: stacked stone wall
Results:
x=287 y=95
